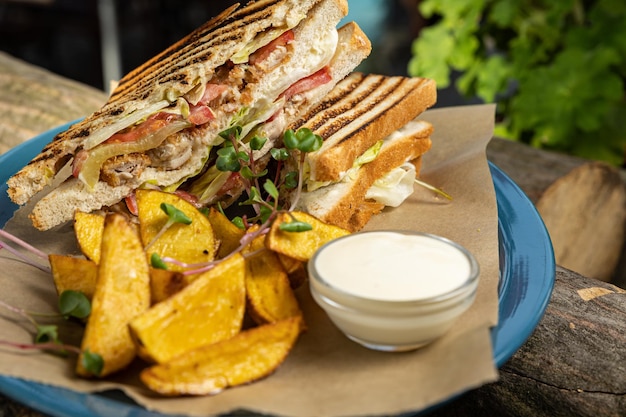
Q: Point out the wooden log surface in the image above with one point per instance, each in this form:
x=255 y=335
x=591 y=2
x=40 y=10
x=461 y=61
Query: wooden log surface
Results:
x=572 y=365
x=582 y=203
x=34 y=100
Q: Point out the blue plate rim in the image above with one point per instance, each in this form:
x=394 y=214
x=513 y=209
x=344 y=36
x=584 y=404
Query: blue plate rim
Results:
x=527 y=274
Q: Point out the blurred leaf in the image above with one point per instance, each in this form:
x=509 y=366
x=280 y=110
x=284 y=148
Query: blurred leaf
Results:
x=557 y=69
x=430 y=55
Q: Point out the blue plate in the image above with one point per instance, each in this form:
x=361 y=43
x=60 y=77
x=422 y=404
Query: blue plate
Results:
x=527 y=271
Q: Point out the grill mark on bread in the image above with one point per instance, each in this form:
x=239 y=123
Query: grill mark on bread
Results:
x=155 y=66
x=195 y=48
x=375 y=90
x=337 y=122
x=312 y=120
x=382 y=105
x=385 y=97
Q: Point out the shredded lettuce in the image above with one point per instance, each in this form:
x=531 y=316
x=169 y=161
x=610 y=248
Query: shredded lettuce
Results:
x=181 y=108
x=394 y=187
x=368 y=156
x=260 y=114
x=207 y=186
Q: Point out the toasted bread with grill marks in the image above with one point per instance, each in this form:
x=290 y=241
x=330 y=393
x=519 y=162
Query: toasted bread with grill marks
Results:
x=60 y=204
x=344 y=203
x=360 y=110
x=176 y=70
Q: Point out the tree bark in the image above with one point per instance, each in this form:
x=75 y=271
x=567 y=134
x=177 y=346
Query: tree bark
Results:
x=582 y=203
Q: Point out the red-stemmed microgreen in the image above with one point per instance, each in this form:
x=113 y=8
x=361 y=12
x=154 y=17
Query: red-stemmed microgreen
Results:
x=36 y=252
x=235 y=156
x=71 y=304
x=74 y=304
x=174 y=216
x=304 y=141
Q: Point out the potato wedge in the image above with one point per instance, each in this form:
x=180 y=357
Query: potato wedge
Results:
x=294 y=268
x=268 y=290
x=225 y=232
x=122 y=293
x=298 y=277
x=249 y=356
x=88 y=230
x=71 y=273
x=301 y=245
x=193 y=243
x=165 y=283
x=208 y=310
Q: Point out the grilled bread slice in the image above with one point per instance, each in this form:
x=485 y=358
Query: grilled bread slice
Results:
x=215 y=60
x=359 y=111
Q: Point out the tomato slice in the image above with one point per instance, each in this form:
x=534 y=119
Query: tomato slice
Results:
x=308 y=83
x=234 y=181
x=211 y=92
x=79 y=160
x=151 y=125
x=131 y=204
x=190 y=198
x=201 y=114
x=263 y=52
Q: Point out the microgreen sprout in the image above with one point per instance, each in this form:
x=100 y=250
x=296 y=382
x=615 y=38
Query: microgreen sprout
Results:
x=433 y=188
x=157 y=262
x=74 y=304
x=174 y=216
x=71 y=304
x=295 y=226
x=303 y=140
x=92 y=362
x=36 y=252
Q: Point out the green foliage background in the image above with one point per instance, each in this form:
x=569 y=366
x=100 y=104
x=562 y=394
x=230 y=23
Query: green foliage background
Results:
x=556 y=68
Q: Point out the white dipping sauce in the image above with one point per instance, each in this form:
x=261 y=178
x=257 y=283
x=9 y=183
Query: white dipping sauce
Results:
x=393 y=266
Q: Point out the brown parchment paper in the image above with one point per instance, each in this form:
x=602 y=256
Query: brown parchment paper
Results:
x=326 y=374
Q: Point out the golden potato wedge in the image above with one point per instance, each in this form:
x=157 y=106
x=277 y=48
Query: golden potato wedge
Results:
x=208 y=310
x=225 y=232
x=188 y=243
x=268 y=290
x=122 y=293
x=71 y=273
x=165 y=283
x=289 y=264
x=298 y=277
x=88 y=229
x=301 y=245
x=294 y=268
x=249 y=356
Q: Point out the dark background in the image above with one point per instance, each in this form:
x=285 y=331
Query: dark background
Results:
x=64 y=36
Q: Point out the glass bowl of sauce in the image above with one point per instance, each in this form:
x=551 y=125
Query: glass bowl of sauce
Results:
x=393 y=290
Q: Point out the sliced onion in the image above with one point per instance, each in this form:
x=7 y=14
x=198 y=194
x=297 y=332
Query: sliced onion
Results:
x=106 y=132
x=90 y=171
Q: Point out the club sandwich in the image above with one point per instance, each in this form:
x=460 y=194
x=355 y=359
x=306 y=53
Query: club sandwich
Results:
x=263 y=64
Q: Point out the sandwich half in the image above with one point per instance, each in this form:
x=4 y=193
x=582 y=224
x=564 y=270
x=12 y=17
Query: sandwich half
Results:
x=371 y=151
x=268 y=61
x=382 y=176
x=359 y=111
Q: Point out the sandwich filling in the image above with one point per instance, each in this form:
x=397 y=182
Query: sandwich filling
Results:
x=254 y=87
